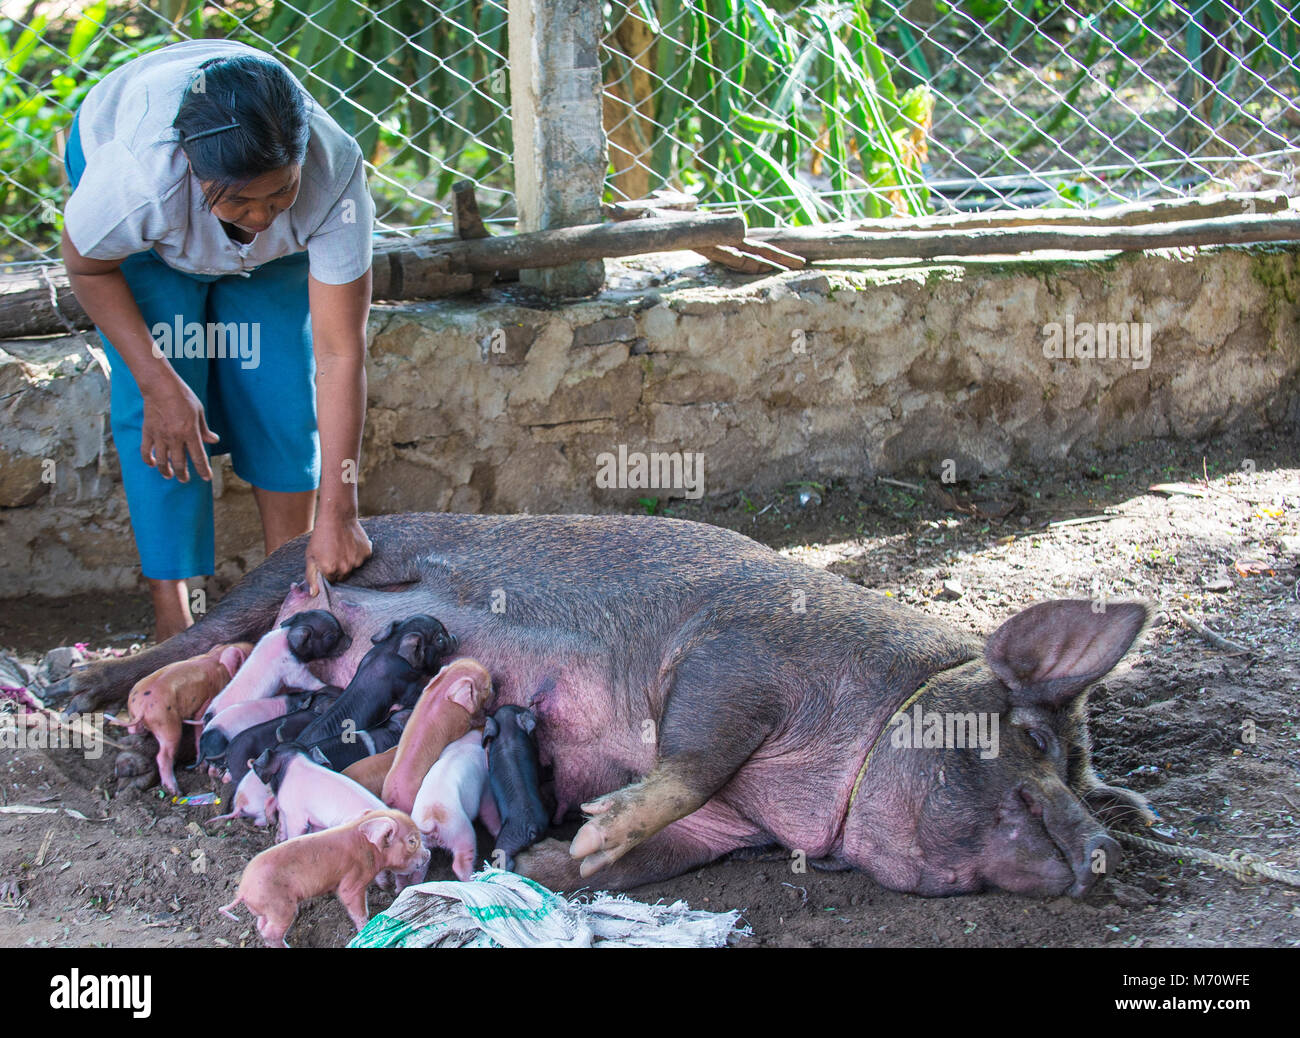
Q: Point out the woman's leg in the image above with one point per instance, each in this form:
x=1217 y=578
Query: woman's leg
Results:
x=171 y=521
x=284 y=516
x=264 y=392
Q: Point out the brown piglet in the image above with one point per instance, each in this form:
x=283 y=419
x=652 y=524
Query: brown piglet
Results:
x=169 y=698
x=449 y=706
x=345 y=859
x=371 y=771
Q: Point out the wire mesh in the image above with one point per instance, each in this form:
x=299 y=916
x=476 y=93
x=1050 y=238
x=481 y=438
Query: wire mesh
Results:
x=799 y=112
x=423 y=87
x=796 y=112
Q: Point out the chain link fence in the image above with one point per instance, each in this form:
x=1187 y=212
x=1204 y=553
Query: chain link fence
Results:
x=807 y=111
x=797 y=112
x=422 y=86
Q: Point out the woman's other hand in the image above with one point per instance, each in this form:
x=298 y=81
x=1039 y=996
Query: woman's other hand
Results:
x=174 y=425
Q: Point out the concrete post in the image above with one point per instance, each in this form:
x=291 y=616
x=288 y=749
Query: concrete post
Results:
x=559 y=139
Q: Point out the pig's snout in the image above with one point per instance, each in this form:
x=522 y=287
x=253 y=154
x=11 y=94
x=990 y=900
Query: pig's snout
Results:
x=1101 y=854
x=1088 y=850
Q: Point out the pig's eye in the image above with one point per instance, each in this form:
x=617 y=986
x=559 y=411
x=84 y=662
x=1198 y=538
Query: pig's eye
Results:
x=1040 y=740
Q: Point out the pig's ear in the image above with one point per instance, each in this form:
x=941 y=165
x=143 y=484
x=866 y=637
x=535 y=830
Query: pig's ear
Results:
x=385 y=634
x=526 y=720
x=261 y=766
x=1052 y=651
x=490 y=729
x=462 y=694
x=232 y=658
x=411 y=649
x=379 y=831
x=299 y=637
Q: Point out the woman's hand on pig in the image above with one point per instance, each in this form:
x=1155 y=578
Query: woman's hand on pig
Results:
x=336 y=548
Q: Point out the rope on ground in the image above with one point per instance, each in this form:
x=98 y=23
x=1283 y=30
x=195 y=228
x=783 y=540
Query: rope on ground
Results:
x=1241 y=865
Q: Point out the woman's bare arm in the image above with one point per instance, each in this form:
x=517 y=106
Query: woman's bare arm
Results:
x=338 y=319
x=174 y=424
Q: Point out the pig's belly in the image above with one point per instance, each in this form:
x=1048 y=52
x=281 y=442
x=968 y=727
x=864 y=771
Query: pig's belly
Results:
x=593 y=714
x=595 y=689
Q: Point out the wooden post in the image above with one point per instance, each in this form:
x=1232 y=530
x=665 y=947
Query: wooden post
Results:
x=559 y=142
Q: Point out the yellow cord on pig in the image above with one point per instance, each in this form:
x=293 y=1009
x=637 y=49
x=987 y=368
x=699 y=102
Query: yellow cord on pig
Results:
x=880 y=735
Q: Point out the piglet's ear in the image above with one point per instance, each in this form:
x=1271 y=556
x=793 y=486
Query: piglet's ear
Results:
x=411 y=649
x=526 y=720
x=379 y=831
x=490 y=729
x=261 y=767
x=462 y=694
x=232 y=658
x=385 y=634
x=1052 y=651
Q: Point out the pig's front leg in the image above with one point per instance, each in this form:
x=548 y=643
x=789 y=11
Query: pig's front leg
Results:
x=709 y=833
x=168 y=743
x=456 y=834
x=703 y=743
x=352 y=893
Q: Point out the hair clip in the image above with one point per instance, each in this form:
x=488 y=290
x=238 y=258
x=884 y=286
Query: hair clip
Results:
x=208 y=133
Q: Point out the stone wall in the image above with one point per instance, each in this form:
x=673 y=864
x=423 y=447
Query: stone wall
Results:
x=498 y=404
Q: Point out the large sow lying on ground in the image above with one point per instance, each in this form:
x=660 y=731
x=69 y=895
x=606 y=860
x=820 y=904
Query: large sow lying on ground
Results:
x=697 y=692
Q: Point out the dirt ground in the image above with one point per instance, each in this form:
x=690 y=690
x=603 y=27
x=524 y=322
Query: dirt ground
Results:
x=1172 y=721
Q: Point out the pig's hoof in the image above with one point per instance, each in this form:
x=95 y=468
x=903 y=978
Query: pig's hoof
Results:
x=89 y=701
x=616 y=827
x=59 y=691
x=549 y=864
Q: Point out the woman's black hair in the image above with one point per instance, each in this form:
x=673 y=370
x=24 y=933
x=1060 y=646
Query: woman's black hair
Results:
x=241 y=117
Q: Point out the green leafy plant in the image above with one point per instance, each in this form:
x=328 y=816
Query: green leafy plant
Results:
x=46 y=68
x=420 y=86
x=758 y=100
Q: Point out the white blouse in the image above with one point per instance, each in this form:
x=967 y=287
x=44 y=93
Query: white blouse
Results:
x=137 y=192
